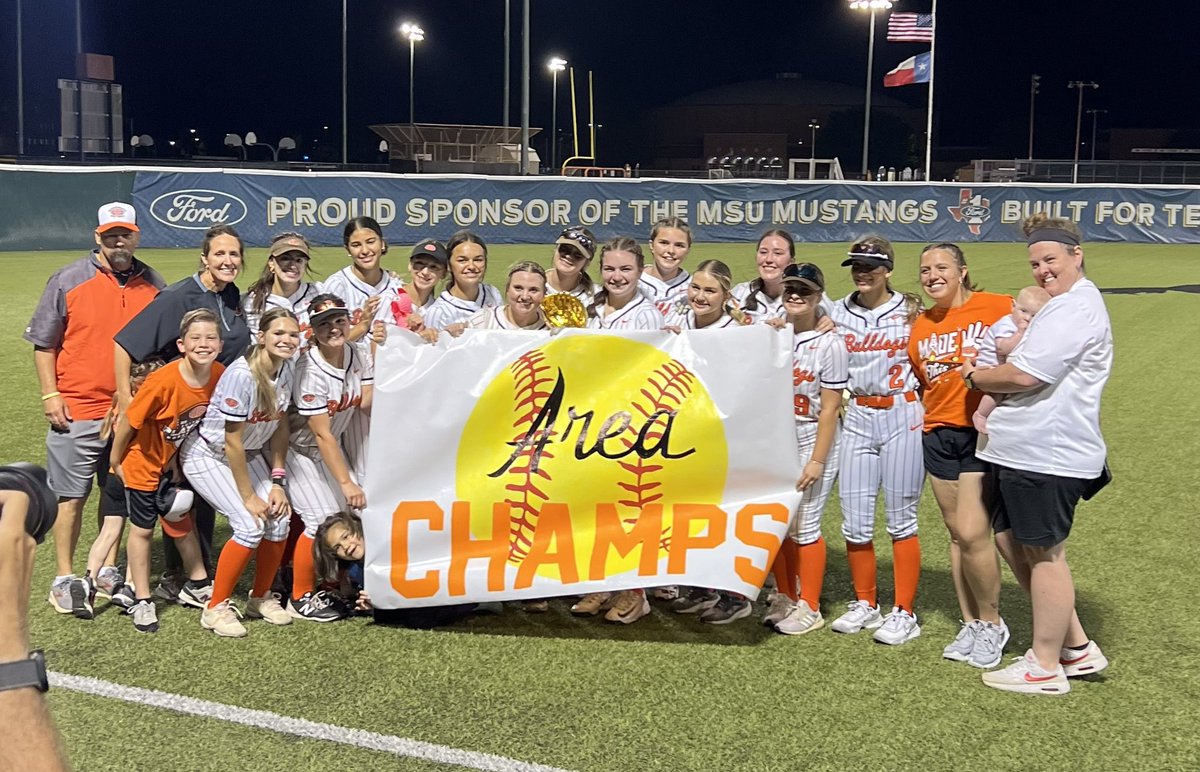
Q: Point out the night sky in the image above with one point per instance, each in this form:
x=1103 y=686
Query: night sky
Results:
x=275 y=67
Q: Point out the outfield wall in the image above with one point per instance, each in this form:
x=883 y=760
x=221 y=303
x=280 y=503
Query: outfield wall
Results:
x=54 y=207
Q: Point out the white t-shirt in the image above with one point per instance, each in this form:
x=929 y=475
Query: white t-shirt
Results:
x=638 y=314
x=322 y=388
x=497 y=319
x=1055 y=429
x=448 y=309
x=235 y=399
x=988 y=356
x=818 y=362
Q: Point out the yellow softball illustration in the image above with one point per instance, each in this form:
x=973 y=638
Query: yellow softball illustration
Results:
x=596 y=422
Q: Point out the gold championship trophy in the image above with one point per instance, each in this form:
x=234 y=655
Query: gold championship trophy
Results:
x=564 y=310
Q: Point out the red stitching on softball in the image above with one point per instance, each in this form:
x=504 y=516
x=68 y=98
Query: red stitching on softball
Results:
x=531 y=384
x=666 y=389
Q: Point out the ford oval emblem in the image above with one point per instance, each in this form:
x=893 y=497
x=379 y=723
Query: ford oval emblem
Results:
x=197 y=210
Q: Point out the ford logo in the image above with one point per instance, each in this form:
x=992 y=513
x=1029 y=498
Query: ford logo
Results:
x=975 y=210
x=197 y=210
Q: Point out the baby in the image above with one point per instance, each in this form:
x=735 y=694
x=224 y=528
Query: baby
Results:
x=1000 y=340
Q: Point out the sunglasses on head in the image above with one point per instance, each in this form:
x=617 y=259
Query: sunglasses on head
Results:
x=806 y=271
x=327 y=305
x=575 y=234
x=867 y=249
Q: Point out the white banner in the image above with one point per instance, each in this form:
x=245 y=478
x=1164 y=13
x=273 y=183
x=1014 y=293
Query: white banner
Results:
x=508 y=465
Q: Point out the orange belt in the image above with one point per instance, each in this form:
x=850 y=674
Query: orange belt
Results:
x=883 y=403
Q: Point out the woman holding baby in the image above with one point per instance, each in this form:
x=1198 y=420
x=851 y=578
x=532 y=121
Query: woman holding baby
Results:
x=943 y=337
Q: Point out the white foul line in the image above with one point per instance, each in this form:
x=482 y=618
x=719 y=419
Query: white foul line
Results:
x=358 y=738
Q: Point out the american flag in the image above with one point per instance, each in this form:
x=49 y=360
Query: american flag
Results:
x=910 y=28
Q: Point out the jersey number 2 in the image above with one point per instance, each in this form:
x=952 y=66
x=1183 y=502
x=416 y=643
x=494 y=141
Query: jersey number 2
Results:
x=896 y=377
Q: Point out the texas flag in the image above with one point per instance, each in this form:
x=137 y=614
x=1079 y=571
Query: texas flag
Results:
x=914 y=69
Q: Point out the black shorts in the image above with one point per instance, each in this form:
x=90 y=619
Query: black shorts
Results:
x=142 y=507
x=949 y=451
x=112 y=492
x=1038 y=508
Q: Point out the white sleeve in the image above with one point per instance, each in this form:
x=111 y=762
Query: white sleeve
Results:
x=235 y=395
x=368 y=363
x=835 y=364
x=310 y=394
x=650 y=319
x=1054 y=340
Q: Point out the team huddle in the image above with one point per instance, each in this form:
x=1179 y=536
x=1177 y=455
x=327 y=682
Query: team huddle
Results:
x=257 y=406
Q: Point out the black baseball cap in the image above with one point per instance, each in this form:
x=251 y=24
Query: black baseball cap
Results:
x=432 y=249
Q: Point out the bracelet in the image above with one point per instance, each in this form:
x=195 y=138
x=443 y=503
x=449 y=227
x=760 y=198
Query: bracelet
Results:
x=278 y=472
x=51 y=395
x=814 y=461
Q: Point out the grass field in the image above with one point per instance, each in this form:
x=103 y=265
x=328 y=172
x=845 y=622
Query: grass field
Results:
x=668 y=692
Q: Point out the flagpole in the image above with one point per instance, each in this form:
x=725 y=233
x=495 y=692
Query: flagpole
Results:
x=929 y=115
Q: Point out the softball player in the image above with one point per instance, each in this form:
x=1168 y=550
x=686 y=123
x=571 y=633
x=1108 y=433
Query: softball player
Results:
x=665 y=282
x=362 y=285
x=819 y=374
x=333 y=383
x=466 y=292
x=762 y=298
x=708 y=300
x=281 y=283
x=619 y=305
x=881 y=441
x=573 y=251
x=427 y=266
x=524 y=289
x=237 y=463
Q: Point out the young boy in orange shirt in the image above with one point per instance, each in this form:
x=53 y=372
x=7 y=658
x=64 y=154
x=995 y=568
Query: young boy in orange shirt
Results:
x=169 y=405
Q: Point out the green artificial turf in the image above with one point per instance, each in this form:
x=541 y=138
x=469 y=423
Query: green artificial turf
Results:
x=668 y=692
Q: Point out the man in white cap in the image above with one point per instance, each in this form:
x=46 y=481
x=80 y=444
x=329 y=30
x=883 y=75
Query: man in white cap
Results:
x=83 y=306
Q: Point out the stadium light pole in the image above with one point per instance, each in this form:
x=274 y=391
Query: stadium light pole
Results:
x=20 y=87
x=414 y=34
x=524 y=88
x=345 y=121
x=1094 y=113
x=555 y=65
x=871 y=6
x=507 y=59
x=813 y=145
x=1035 y=81
x=1079 y=85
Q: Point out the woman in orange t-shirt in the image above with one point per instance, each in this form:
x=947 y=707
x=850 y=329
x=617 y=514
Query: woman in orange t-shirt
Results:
x=942 y=338
x=170 y=404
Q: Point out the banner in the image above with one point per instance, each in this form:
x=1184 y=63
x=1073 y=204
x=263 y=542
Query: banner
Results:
x=176 y=207
x=507 y=465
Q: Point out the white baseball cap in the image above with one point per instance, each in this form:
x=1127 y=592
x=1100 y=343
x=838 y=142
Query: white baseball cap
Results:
x=116 y=215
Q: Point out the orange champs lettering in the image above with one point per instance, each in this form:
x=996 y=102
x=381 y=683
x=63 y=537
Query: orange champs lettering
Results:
x=682 y=539
x=743 y=528
x=611 y=535
x=554 y=525
x=464 y=549
x=406 y=513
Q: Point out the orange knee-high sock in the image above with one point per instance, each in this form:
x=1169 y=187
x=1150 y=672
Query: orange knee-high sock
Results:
x=784 y=569
x=862 y=570
x=302 y=567
x=295 y=529
x=266 y=564
x=811 y=559
x=233 y=561
x=906 y=562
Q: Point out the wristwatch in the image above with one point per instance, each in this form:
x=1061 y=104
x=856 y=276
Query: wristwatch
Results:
x=969 y=379
x=25 y=672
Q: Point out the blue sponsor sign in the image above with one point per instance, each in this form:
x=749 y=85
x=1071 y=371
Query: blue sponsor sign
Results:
x=510 y=210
